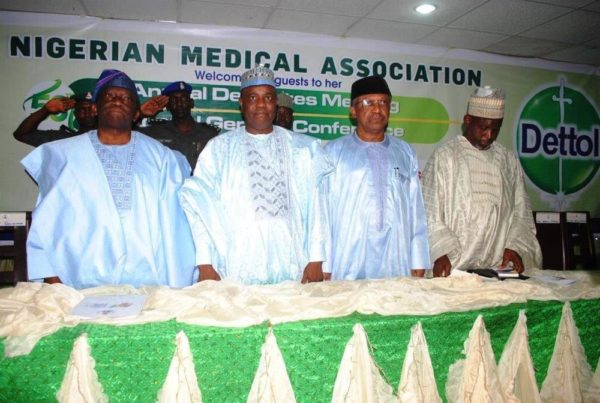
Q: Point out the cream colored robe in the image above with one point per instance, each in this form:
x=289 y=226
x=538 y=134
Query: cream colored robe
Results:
x=477 y=206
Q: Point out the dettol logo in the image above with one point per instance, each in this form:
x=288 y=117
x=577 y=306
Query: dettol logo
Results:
x=558 y=141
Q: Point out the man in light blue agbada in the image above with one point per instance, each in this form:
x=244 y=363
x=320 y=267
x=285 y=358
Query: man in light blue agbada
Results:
x=376 y=212
x=253 y=203
x=107 y=211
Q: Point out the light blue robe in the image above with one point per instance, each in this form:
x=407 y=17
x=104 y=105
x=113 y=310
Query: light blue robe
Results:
x=242 y=242
x=78 y=234
x=376 y=213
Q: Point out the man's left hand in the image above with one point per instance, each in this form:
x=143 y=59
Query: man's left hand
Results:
x=313 y=272
x=512 y=256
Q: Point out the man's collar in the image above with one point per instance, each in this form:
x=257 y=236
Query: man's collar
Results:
x=384 y=143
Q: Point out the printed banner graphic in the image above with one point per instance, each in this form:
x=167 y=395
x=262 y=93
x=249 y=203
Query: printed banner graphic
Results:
x=551 y=119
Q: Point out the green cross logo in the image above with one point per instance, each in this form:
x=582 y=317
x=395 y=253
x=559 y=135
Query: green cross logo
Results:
x=558 y=142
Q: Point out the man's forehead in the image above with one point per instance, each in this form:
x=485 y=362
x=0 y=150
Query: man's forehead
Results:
x=180 y=94
x=259 y=88
x=481 y=120
x=116 y=90
x=373 y=96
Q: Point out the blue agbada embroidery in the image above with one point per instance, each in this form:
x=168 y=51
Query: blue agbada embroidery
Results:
x=117 y=162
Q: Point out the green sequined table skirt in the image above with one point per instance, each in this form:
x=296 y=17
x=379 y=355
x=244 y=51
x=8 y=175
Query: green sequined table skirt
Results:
x=132 y=361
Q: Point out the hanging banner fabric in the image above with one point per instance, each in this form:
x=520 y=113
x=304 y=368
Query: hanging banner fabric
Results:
x=551 y=119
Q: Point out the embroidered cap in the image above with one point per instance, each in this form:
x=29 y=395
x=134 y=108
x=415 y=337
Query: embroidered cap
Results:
x=259 y=75
x=285 y=100
x=176 y=87
x=487 y=102
x=114 y=78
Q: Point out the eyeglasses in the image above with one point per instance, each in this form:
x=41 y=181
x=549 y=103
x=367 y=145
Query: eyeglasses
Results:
x=368 y=103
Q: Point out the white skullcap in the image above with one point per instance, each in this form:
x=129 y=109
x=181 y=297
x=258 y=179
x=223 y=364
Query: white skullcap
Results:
x=487 y=102
x=285 y=100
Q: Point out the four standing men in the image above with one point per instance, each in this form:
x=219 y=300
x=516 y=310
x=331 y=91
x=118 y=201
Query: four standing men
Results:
x=477 y=207
x=266 y=204
x=378 y=223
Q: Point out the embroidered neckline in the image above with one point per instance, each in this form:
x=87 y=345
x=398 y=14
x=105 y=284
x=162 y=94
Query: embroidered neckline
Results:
x=119 y=177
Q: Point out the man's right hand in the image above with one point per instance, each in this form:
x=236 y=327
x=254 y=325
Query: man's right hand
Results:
x=442 y=267
x=208 y=272
x=154 y=105
x=52 y=280
x=59 y=105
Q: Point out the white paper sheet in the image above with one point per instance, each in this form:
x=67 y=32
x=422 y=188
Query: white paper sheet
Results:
x=112 y=306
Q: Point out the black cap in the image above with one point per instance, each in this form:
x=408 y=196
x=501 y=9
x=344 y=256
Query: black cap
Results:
x=369 y=85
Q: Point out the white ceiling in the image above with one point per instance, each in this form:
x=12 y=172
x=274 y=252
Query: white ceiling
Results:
x=563 y=30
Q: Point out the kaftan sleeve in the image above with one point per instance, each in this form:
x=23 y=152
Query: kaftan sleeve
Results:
x=177 y=242
x=521 y=234
x=318 y=228
x=332 y=154
x=198 y=198
x=437 y=188
x=44 y=166
x=38 y=264
x=419 y=248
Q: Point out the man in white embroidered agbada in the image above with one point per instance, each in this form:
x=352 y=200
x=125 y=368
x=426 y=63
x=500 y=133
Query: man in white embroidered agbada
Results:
x=253 y=203
x=477 y=208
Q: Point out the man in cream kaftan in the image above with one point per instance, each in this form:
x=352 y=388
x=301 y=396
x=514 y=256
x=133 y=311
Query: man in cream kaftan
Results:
x=477 y=208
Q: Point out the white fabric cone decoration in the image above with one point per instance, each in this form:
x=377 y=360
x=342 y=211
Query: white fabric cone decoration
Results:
x=359 y=379
x=592 y=395
x=271 y=383
x=515 y=369
x=80 y=383
x=569 y=373
x=181 y=384
x=475 y=379
x=417 y=381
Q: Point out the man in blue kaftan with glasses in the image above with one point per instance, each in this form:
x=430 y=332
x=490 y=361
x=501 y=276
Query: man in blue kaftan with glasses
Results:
x=376 y=212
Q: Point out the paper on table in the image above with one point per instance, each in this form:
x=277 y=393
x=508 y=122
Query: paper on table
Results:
x=112 y=306
x=555 y=279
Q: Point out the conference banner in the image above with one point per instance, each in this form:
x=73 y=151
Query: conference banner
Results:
x=551 y=119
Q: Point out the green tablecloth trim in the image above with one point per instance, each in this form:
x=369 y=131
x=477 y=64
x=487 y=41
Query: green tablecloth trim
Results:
x=132 y=361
